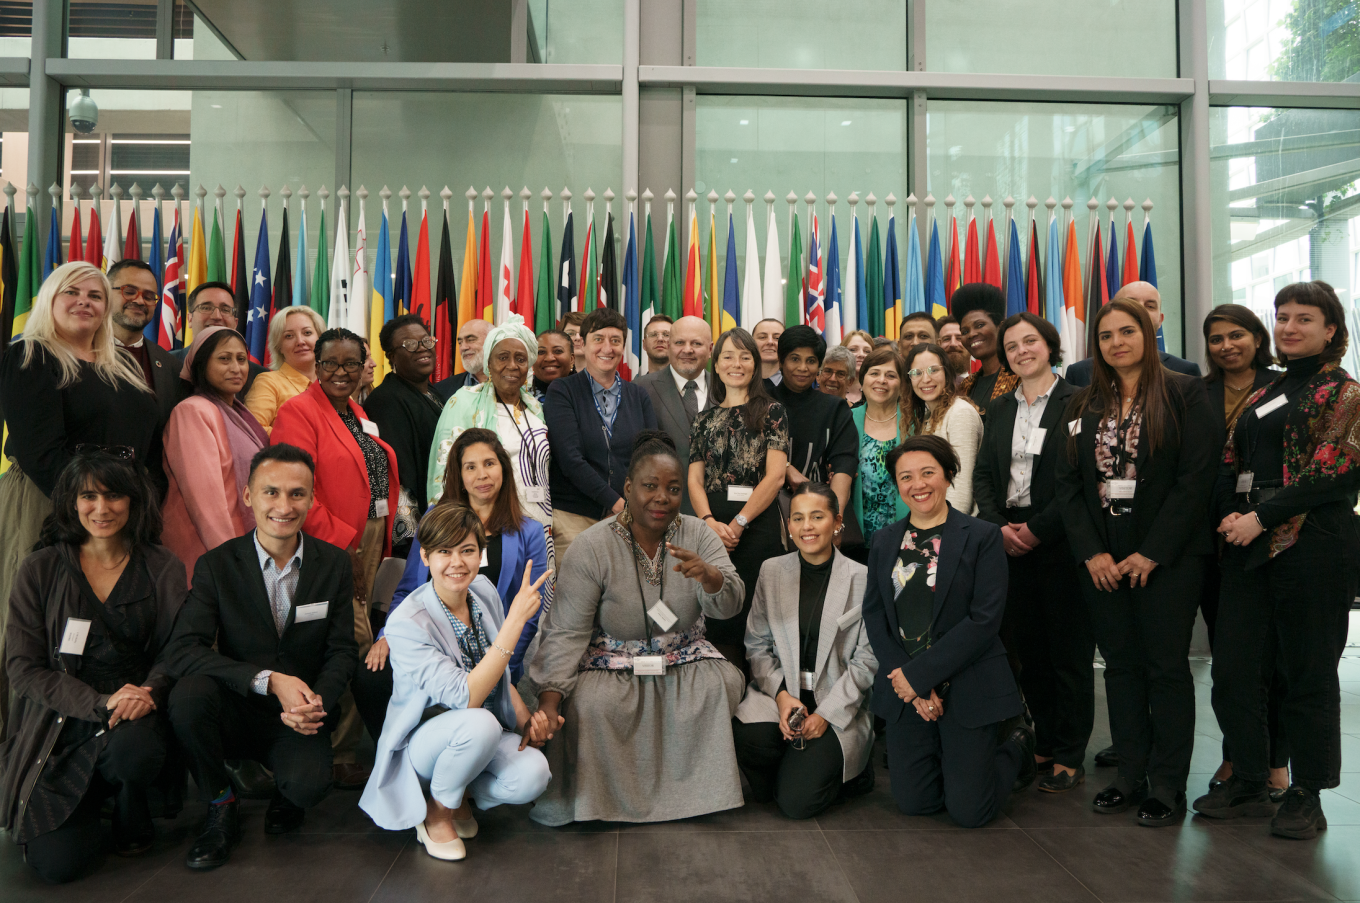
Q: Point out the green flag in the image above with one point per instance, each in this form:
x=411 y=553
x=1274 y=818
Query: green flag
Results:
x=672 y=282
x=545 y=296
x=30 y=275
x=590 y=276
x=873 y=278
x=321 y=275
x=793 y=289
x=217 y=254
x=647 y=289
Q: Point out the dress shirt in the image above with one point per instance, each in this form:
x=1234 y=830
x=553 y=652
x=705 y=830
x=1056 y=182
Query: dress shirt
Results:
x=281 y=586
x=700 y=386
x=139 y=353
x=608 y=399
x=1027 y=417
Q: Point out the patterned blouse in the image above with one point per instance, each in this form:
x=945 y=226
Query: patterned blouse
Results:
x=733 y=455
x=877 y=491
x=1107 y=444
x=915 y=571
x=375 y=460
x=473 y=643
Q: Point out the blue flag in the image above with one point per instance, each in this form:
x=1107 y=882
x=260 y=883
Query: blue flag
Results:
x=914 y=286
x=401 y=290
x=892 y=279
x=731 y=300
x=52 y=259
x=1112 y=273
x=632 y=310
x=261 y=296
x=1147 y=272
x=1055 y=308
x=935 y=299
x=382 y=269
x=861 y=290
x=157 y=263
x=834 y=326
x=1015 y=275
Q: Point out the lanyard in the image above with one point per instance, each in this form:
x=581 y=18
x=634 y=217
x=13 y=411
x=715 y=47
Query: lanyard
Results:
x=608 y=426
x=1121 y=431
x=637 y=572
x=527 y=443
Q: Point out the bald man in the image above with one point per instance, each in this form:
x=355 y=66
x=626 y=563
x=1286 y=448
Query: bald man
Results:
x=679 y=391
x=469 y=341
x=1146 y=294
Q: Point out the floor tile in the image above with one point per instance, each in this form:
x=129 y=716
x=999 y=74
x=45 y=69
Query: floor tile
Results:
x=113 y=880
x=750 y=817
x=953 y=865
x=1332 y=861
x=1184 y=864
x=773 y=866
x=508 y=868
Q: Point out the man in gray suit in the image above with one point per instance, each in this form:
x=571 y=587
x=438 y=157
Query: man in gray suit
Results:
x=680 y=391
x=1146 y=294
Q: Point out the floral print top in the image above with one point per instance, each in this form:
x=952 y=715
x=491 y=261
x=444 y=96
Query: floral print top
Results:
x=877 y=493
x=733 y=455
x=1111 y=463
x=375 y=460
x=913 y=580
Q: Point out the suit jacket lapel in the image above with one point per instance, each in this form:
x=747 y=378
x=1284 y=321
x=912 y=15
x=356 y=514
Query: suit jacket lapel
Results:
x=837 y=595
x=888 y=591
x=254 y=577
x=952 y=540
x=670 y=396
x=439 y=617
x=1005 y=430
x=785 y=620
x=509 y=562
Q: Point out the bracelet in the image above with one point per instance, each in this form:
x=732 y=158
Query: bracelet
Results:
x=505 y=652
x=707 y=517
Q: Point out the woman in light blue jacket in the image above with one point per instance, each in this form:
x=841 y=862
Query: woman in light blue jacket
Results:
x=455 y=724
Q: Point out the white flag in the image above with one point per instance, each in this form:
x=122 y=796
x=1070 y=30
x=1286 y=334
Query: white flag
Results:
x=753 y=304
x=340 y=272
x=113 y=239
x=505 y=276
x=356 y=316
x=774 y=280
x=850 y=287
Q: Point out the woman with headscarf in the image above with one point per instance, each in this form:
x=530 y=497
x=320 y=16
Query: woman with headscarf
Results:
x=205 y=505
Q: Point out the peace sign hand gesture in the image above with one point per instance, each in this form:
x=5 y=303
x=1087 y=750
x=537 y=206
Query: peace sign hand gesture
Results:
x=695 y=568
x=527 y=600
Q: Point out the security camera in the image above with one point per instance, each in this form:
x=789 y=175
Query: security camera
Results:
x=83 y=112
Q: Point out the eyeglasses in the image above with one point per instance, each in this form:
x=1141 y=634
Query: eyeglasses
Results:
x=916 y=372
x=225 y=310
x=121 y=452
x=349 y=366
x=414 y=345
x=131 y=291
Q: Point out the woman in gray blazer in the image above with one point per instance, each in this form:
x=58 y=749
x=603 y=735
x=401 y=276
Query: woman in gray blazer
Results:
x=803 y=732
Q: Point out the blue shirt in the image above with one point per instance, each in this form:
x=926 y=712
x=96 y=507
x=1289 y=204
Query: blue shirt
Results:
x=607 y=400
x=281 y=586
x=473 y=642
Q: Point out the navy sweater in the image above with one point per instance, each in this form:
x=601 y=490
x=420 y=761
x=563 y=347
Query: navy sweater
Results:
x=587 y=467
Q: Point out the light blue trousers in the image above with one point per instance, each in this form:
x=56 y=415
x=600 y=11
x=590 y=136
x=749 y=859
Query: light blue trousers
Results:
x=468 y=750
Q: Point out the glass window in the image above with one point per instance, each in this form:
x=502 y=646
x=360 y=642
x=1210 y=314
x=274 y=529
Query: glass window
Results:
x=802 y=34
x=1042 y=37
x=97 y=29
x=582 y=31
x=1284 y=40
x=1288 y=181
x=1070 y=150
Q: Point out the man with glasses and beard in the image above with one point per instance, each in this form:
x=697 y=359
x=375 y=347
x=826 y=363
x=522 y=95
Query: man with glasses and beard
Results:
x=212 y=304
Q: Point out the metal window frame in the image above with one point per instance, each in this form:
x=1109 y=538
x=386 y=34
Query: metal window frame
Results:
x=1192 y=91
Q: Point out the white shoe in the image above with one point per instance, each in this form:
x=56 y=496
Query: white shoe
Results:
x=466 y=827
x=449 y=850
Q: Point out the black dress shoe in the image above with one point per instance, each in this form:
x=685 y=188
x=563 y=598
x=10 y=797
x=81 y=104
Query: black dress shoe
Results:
x=1156 y=814
x=133 y=831
x=1114 y=798
x=1022 y=735
x=249 y=780
x=221 y=832
x=1107 y=758
x=282 y=816
x=1061 y=781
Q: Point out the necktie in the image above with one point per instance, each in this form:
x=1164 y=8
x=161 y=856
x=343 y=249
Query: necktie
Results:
x=691 y=400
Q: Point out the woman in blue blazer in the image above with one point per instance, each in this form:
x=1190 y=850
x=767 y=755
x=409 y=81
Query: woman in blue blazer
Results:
x=932 y=608
x=455 y=727
x=483 y=481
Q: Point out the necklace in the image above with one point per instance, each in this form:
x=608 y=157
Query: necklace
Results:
x=1241 y=388
x=880 y=419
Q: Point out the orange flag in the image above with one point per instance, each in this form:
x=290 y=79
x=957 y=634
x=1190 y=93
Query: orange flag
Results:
x=992 y=271
x=486 y=292
x=420 y=284
x=1130 y=257
x=694 y=276
x=467 y=291
x=972 y=265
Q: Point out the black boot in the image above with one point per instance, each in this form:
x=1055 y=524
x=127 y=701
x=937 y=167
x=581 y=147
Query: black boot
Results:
x=249 y=780
x=221 y=832
x=133 y=832
x=282 y=816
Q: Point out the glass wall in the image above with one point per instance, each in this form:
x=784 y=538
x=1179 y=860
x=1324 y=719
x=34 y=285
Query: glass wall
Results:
x=1080 y=151
x=1284 y=40
x=582 y=31
x=802 y=34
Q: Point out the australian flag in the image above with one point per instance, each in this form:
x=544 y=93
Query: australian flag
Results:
x=257 y=325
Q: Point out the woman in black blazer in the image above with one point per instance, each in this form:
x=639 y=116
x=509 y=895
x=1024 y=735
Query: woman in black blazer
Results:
x=1046 y=628
x=932 y=608
x=1135 y=489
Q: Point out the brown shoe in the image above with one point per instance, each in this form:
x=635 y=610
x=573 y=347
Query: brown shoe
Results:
x=349 y=776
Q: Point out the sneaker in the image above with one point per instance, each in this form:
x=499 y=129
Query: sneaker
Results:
x=1300 y=816
x=1235 y=798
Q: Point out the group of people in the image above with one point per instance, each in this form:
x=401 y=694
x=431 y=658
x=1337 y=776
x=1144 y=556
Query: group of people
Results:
x=620 y=599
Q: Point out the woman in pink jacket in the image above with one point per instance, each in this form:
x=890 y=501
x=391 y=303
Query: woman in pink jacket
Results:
x=209 y=441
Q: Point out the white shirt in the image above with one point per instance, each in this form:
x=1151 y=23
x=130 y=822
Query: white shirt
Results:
x=700 y=386
x=1027 y=417
x=137 y=344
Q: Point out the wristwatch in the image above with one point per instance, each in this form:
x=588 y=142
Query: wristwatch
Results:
x=742 y=521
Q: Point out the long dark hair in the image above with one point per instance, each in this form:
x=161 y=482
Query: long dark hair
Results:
x=198 y=370
x=1238 y=315
x=1102 y=396
x=758 y=401
x=102 y=467
x=506 y=514
x=917 y=411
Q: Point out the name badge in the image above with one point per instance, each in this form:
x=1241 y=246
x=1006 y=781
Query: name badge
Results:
x=807 y=680
x=739 y=493
x=537 y=495
x=313 y=612
x=1120 y=489
x=380 y=507
x=1035 y=445
x=1074 y=427
x=74 y=637
x=1244 y=481
x=484 y=563
x=649 y=665
x=1273 y=405
x=849 y=617
x=369 y=427
x=661 y=613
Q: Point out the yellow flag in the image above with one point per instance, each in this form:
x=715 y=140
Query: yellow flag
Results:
x=467 y=289
x=197 y=274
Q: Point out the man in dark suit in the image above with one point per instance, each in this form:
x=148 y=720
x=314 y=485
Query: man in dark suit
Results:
x=679 y=391
x=1146 y=294
x=263 y=649
x=211 y=304
x=470 y=340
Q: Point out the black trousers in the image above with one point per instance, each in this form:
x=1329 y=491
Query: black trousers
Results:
x=1293 y=611
x=942 y=765
x=128 y=764
x=1144 y=635
x=802 y=782
x=759 y=543
x=1047 y=632
x=372 y=691
x=214 y=723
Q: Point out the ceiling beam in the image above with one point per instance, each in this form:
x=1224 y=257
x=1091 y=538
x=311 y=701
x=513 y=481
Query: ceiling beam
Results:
x=1324 y=95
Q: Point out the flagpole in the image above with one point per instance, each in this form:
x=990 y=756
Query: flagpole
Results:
x=827 y=300
x=566 y=205
x=810 y=200
x=1067 y=212
x=792 y=200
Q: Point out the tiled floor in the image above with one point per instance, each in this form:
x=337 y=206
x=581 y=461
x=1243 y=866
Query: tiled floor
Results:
x=1045 y=849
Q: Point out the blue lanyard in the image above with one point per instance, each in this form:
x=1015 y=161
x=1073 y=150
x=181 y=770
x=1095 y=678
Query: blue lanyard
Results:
x=608 y=426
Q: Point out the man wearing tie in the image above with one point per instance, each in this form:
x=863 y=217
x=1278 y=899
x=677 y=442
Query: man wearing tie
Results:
x=679 y=391
x=263 y=649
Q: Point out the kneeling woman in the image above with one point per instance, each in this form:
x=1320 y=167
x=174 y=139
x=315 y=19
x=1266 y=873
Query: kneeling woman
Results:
x=455 y=724
x=809 y=655
x=936 y=592
x=89 y=613
x=647 y=700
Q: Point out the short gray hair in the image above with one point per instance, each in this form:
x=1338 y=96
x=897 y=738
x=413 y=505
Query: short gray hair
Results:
x=839 y=354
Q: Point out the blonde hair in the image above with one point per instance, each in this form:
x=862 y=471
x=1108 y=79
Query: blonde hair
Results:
x=41 y=330
x=279 y=324
x=858 y=333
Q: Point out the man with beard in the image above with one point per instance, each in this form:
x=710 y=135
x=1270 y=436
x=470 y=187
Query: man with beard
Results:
x=980 y=308
x=212 y=304
x=134 y=299
x=470 y=339
x=951 y=340
x=917 y=329
x=679 y=391
x=656 y=342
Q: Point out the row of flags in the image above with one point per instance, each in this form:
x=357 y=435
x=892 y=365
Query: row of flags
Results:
x=874 y=290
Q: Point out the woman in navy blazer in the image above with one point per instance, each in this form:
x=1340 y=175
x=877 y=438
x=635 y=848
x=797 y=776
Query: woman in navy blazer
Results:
x=932 y=607
x=478 y=481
